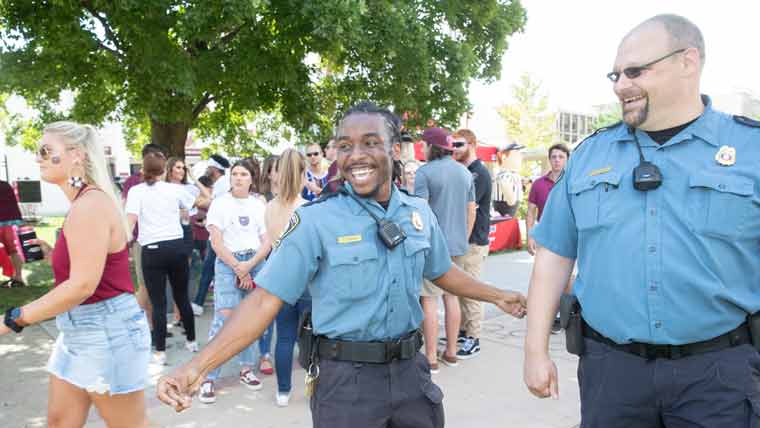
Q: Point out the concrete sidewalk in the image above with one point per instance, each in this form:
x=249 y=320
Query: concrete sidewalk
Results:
x=486 y=391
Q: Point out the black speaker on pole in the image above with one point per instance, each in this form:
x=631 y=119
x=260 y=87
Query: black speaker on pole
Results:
x=29 y=191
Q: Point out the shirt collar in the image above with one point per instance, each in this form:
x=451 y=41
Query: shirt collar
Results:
x=398 y=198
x=548 y=176
x=705 y=128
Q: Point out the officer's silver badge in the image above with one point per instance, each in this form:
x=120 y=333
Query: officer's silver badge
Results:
x=417 y=220
x=295 y=220
x=726 y=156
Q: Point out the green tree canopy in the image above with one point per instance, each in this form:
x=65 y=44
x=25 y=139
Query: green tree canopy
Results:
x=168 y=66
x=527 y=118
x=607 y=115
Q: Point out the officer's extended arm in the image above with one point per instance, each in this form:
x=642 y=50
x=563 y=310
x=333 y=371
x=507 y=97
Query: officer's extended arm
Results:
x=459 y=283
x=246 y=324
x=551 y=273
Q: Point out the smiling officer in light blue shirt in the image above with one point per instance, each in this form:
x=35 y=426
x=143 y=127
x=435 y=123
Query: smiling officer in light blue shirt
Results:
x=662 y=214
x=366 y=369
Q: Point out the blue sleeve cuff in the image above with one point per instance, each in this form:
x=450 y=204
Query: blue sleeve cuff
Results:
x=567 y=251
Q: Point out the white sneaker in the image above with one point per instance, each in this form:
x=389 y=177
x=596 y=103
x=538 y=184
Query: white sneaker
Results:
x=159 y=357
x=283 y=398
x=191 y=346
x=197 y=309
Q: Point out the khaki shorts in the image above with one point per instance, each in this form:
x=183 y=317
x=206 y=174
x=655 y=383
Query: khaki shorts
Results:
x=431 y=290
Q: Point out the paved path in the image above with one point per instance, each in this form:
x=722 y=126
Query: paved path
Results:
x=486 y=391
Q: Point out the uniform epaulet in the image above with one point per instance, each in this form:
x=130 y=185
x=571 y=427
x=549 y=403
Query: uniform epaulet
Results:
x=322 y=197
x=597 y=131
x=744 y=120
x=406 y=192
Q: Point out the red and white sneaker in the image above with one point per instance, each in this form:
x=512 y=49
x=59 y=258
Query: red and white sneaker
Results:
x=250 y=380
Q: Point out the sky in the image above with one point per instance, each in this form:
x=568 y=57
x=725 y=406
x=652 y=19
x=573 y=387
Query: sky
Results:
x=569 y=46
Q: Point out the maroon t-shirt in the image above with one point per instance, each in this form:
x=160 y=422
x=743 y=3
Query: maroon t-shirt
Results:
x=539 y=193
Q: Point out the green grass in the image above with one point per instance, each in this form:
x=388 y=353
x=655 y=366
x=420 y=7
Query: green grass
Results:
x=38 y=275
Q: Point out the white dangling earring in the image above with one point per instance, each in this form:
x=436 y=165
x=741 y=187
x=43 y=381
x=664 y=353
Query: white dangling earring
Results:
x=76 y=182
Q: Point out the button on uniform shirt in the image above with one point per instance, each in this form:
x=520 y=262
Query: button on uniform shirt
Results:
x=675 y=265
x=361 y=290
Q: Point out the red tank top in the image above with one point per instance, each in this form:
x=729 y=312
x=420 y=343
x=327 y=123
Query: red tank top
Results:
x=115 y=279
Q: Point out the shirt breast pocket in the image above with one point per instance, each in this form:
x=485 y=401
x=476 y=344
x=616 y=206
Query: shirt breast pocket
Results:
x=720 y=205
x=590 y=199
x=415 y=250
x=352 y=270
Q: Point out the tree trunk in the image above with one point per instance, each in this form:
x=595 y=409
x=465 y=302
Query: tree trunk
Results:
x=171 y=136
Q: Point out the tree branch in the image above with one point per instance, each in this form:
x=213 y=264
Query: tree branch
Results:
x=114 y=52
x=232 y=34
x=198 y=109
x=110 y=35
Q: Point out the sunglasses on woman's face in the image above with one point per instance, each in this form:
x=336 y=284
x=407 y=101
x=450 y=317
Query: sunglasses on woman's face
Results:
x=458 y=144
x=45 y=152
x=312 y=154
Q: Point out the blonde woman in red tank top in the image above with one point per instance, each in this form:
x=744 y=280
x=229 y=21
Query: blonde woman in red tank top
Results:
x=102 y=351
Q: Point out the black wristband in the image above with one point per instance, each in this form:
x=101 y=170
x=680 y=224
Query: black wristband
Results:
x=11 y=315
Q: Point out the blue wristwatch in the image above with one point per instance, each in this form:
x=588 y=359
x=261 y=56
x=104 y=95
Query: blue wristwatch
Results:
x=11 y=315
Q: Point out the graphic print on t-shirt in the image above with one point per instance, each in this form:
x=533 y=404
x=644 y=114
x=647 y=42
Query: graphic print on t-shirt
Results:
x=244 y=220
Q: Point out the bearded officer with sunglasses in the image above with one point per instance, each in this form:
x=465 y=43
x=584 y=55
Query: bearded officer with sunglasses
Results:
x=363 y=253
x=662 y=213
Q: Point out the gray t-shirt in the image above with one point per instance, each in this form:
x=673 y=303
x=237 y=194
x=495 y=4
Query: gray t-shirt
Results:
x=448 y=187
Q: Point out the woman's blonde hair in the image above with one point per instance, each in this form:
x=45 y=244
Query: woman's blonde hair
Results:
x=85 y=138
x=291 y=168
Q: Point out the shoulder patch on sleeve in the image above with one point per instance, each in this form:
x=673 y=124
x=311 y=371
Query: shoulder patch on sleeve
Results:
x=295 y=220
x=597 y=131
x=747 y=121
x=407 y=193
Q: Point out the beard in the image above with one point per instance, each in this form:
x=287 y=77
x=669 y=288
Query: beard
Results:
x=635 y=118
x=382 y=171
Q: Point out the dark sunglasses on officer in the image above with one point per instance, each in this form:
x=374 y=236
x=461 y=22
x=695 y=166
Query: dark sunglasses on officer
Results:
x=635 y=71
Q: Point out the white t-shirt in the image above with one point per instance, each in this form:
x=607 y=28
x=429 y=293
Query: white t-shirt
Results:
x=157 y=210
x=241 y=221
x=195 y=191
x=221 y=186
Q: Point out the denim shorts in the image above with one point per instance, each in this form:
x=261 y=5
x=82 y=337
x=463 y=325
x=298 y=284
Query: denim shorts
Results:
x=103 y=347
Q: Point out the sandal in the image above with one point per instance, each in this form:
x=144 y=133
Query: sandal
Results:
x=265 y=366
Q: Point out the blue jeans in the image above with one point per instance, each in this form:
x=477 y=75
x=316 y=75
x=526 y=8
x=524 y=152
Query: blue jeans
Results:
x=287 y=332
x=228 y=296
x=265 y=341
x=207 y=275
